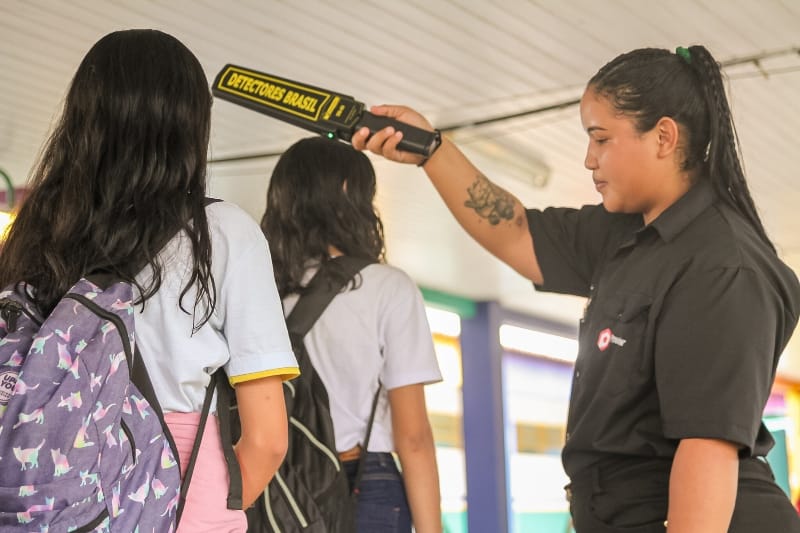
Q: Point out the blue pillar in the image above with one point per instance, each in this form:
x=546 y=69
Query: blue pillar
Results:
x=484 y=430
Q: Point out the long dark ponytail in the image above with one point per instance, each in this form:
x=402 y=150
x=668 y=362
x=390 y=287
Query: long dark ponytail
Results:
x=648 y=84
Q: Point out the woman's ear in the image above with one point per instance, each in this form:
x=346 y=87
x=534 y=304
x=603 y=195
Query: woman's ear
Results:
x=668 y=136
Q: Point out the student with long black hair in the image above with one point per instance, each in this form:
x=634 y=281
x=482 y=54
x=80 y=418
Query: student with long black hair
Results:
x=122 y=183
x=689 y=306
x=320 y=206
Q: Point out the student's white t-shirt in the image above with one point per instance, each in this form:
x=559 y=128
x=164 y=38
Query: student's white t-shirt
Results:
x=246 y=333
x=379 y=330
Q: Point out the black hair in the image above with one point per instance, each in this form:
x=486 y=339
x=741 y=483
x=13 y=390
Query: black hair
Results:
x=123 y=171
x=649 y=83
x=320 y=194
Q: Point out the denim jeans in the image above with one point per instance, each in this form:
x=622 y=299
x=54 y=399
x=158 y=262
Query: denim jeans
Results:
x=382 y=504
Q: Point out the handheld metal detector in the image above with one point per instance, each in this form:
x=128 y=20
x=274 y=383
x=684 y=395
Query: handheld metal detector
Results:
x=330 y=114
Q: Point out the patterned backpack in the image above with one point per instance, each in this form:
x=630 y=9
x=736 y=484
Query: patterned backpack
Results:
x=83 y=445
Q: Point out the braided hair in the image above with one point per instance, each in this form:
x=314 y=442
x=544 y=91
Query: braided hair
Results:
x=650 y=83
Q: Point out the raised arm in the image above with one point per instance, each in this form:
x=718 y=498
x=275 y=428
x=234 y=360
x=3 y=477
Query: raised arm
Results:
x=491 y=215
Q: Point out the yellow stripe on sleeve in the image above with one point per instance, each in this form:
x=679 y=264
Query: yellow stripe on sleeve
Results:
x=286 y=373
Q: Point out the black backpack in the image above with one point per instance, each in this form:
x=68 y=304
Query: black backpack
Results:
x=310 y=492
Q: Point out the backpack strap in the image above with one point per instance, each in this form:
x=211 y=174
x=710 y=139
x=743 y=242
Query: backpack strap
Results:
x=226 y=402
x=219 y=383
x=141 y=379
x=363 y=455
x=187 y=476
x=319 y=292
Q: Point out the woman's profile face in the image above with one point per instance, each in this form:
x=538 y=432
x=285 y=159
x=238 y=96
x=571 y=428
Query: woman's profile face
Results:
x=621 y=158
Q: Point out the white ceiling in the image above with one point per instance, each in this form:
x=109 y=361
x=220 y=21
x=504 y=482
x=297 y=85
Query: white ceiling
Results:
x=456 y=61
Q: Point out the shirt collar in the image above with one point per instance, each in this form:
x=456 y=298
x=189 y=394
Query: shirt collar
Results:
x=677 y=216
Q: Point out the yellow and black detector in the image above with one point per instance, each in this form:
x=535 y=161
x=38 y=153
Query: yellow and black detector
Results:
x=333 y=115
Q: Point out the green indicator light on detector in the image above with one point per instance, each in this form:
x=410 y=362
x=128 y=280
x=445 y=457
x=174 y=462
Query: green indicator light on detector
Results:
x=330 y=135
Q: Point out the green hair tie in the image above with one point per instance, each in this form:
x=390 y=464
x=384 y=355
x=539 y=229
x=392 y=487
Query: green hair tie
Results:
x=684 y=53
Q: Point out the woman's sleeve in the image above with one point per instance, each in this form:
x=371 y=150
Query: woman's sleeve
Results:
x=715 y=355
x=405 y=336
x=570 y=243
x=253 y=321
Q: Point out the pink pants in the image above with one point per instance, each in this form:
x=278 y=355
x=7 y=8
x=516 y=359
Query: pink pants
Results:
x=206 y=507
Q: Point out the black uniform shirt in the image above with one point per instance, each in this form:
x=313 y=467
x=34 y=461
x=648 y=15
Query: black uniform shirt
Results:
x=685 y=320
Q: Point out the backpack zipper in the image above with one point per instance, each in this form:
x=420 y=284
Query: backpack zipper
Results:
x=10 y=311
x=123 y=333
x=108 y=315
x=324 y=449
x=292 y=502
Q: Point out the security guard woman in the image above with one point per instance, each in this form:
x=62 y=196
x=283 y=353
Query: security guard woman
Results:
x=689 y=306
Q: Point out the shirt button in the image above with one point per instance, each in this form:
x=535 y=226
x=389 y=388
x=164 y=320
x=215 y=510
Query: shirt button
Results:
x=567 y=436
x=577 y=374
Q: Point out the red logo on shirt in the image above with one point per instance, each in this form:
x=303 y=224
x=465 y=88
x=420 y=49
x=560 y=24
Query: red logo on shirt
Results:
x=604 y=339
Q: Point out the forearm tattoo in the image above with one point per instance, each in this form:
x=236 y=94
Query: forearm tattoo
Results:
x=490 y=201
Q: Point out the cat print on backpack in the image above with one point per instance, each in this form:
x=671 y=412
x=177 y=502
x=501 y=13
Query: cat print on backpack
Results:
x=82 y=448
